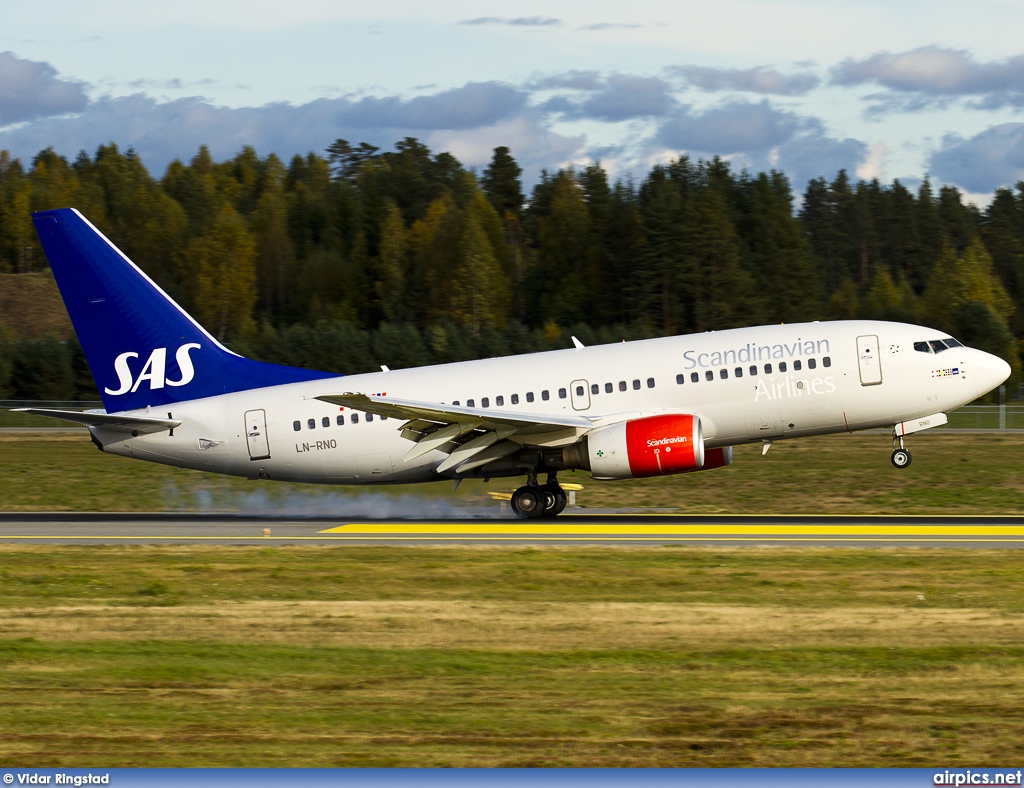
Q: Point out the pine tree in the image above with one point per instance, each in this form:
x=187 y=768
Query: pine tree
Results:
x=390 y=280
x=721 y=291
x=500 y=182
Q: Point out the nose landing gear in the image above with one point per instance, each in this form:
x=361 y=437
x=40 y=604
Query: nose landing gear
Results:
x=534 y=501
x=901 y=457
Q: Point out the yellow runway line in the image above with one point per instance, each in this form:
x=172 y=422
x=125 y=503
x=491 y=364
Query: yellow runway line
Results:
x=798 y=516
x=696 y=529
x=357 y=536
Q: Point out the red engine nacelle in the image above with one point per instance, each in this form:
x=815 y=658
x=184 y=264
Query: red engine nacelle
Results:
x=653 y=446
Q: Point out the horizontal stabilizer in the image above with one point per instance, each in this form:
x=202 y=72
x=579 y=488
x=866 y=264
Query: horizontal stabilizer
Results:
x=139 y=425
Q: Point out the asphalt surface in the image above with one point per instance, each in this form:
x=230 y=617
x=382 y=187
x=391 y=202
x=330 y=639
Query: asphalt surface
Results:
x=569 y=528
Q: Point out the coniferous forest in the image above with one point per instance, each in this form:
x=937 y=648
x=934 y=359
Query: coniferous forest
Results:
x=361 y=257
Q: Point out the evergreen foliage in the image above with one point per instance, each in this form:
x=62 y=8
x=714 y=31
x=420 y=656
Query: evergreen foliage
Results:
x=361 y=257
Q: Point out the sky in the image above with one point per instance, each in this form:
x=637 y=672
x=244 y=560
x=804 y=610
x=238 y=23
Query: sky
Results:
x=881 y=88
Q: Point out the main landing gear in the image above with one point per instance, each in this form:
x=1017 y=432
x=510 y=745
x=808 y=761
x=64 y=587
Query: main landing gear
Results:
x=901 y=455
x=533 y=501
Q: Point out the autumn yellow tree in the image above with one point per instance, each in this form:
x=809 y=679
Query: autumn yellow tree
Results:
x=479 y=292
x=222 y=273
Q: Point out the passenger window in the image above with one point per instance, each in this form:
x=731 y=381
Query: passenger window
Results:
x=922 y=347
x=341 y=420
x=767 y=369
x=529 y=396
x=797 y=365
x=723 y=373
x=710 y=375
x=622 y=385
x=296 y=425
x=694 y=377
x=311 y=424
x=826 y=362
x=326 y=421
x=608 y=387
x=580 y=391
x=470 y=403
x=650 y=383
x=383 y=418
x=561 y=393
x=636 y=385
x=782 y=366
x=456 y=402
x=499 y=400
x=355 y=418
x=753 y=369
x=544 y=395
x=811 y=363
x=595 y=389
x=680 y=379
x=515 y=399
x=485 y=402
x=739 y=372
x=369 y=417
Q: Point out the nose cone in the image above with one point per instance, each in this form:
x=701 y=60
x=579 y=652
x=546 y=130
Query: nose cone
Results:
x=989 y=372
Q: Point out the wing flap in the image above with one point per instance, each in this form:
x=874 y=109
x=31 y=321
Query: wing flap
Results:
x=471 y=437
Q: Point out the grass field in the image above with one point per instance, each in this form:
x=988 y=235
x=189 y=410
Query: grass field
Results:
x=952 y=473
x=431 y=656
x=189 y=656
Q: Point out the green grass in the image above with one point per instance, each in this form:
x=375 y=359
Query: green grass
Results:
x=661 y=656
x=378 y=656
x=245 y=705
x=952 y=473
x=829 y=579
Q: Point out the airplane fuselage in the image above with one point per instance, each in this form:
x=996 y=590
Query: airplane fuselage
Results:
x=746 y=385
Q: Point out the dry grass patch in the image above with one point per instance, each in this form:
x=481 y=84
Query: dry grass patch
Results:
x=544 y=626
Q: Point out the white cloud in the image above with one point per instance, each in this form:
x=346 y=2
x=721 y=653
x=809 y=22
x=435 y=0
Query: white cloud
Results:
x=984 y=162
x=30 y=89
x=874 y=165
x=735 y=127
x=762 y=80
x=931 y=77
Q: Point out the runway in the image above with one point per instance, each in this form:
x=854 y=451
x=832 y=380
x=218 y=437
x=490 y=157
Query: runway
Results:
x=572 y=528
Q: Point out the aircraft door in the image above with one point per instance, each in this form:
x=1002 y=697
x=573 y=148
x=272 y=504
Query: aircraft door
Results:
x=580 y=392
x=868 y=360
x=256 y=434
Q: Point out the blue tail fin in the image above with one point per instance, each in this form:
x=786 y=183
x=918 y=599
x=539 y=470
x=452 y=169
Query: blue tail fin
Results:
x=142 y=348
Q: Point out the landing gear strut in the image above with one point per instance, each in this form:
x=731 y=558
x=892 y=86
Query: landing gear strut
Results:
x=533 y=501
x=901 y=456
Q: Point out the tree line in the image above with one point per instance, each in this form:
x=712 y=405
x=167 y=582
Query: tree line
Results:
x=361 y=257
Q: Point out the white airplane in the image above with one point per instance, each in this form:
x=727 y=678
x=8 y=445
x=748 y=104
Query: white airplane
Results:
x=175 y=395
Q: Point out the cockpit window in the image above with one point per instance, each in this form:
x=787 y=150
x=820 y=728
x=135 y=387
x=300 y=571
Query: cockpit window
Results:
x=936 y=345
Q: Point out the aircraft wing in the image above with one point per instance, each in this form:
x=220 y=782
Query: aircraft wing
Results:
x=471 y=437
x=137 y=425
